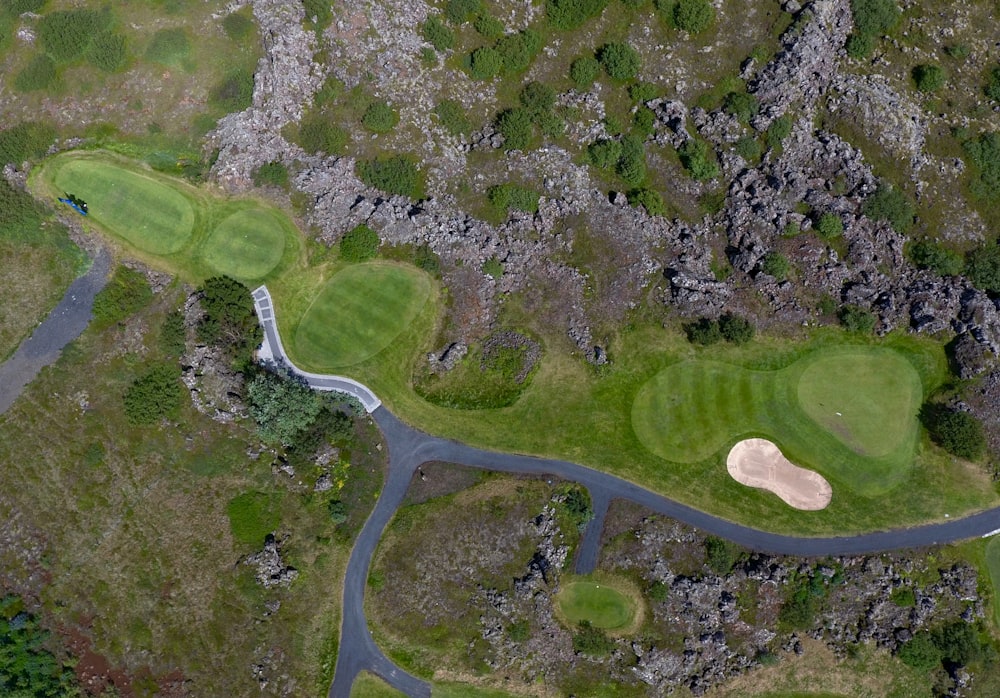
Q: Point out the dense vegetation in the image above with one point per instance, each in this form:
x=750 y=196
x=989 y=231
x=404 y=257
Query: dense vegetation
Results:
x=230 y=321
x=27 y=667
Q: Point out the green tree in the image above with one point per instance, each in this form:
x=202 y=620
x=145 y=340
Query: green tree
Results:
x=889 y=204
x=929 y=254
x=736 y=329
x=27 y=668
x=698 y=159
x=982 y=266
x=234 y=92
x=359 y=244
x=538 y=98
x=929 y=77
x=337 y=510
x=583 y=71
x=778 y=131
x=693 y=16
x=516 y=51
x=576 y=501
x=230 y=321
x=489 y=27
x=461 y=11
x=282 y=407
x=379 y=117
x=485 y=62
x=632 y=163
x=856 y=319
x=619 y=60
x=649 y=199
x=829 y=226
x=642 y=92
x=493 y=267
x=957 y=432
x=958 y=642
x=742 y=105
x=920 y=652
x=156 y=393
x=874 y=17
x=516 y=128
x=604 y=153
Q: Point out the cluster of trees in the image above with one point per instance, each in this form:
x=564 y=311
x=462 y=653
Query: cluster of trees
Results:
x=732 y=328
x=872 y=19
x=230 y=321
x=510 y=54
x=27 y=667
x=518 y=124
x=954 y=644
x=957 y=432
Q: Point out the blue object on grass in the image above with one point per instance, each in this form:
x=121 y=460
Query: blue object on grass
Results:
x=68 y=202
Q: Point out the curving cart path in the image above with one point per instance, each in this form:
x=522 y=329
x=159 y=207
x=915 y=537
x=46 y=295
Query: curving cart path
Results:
x=409 y=448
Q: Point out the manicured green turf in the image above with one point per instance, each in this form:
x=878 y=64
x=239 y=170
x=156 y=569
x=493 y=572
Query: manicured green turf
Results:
x=246 y=245
x=138 y=208
x=693 y=409
x=604 y=606
x=993 y=565
x=367 y=685
x=359 y=312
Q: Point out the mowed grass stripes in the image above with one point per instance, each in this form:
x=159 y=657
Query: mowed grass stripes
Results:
x=141 y=209
x=358 y=313
x=848 y=412
x=246 y=245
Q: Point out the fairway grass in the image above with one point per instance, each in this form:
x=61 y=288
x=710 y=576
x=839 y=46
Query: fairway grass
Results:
x=140 y=209
x=849 y=412
x=246 y=245
x=359 y=312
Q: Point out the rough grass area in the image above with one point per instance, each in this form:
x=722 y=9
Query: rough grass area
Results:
x=170 y=224
x=993 y=566
x=367 y=685
x=359 y=312
x=848 y=412
x=600 y=603
x=246 y=245
x=141 y=209
x=464 y=690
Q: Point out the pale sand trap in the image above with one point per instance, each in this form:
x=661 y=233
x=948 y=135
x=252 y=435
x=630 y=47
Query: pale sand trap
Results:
x=759 y=463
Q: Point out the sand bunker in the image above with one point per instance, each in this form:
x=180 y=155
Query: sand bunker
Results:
x=759 y=463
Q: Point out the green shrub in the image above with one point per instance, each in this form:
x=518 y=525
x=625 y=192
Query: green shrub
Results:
x=317 y=134
x=619 y=60
x=959 y=433
x=452 y=117
x=856 y=319
x=396 y=175
x=859 y=46
x=649 y=199
x=107 y=52
x=519 y=631
x=874 y=17
x=425 y=258
x=238 y=26
x=958 y=643
x=591 y=640
x=27 y=667
x=39 y=74
x=891 y=205
x=493 y=267
x=704 y=331
x=799 y=609
x=698 y=159
x=903 y=597
x=283 y=408
x=19 y=7
x=437 y=34
x=984 y=152
x=693 y=16
x=982 y=266
x=461 y=11
x=66 y=34
x=515 y=126
x=513 y=197
x=748 y=148
x=538 y=98
x=958 y=51
x=359 y=244
x=742 y=105
x=642 y=92
x=604 y=153
x=518 y=50
x=318 y=13
x=583 y=71
x=169 y=46
x=234 y=92
x=20 y=215
x=659 y=591
x=775 y=264
x=230 y=321
x=928 y=78
x=172 y=334
x=735 y=329
x=379 y=117
x=928 y=254
x=576 y=500
x=25 y=141
x=485 y=62
x=570 y=14
x=631 y=165
x=155 y=394
x=643 y=122
x=829 y=226
x=337 y=511
x=489 y=27
x=778 y=131
x=550 y=125
x=721 y=555
x=273 y=174
x=992 y=88
x=253 y=516
x=125 y=294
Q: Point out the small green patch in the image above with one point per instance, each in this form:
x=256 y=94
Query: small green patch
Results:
x=601 y=605
x=252 y=516
x=246 y=245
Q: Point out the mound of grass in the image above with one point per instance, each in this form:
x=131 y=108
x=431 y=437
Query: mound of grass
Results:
x=234 y=92
x=252 y=516
x=108 y=52
x=38 y=74
x=379 y=117
x=139 y=209
x=452 y=117
x=24 y=141
x=238 y=26
x=125 y=294
x=317 y=134
x=368 y=304
x=693 y=409
x=246 y=245
x=155 y=394
x=65 y=35
x=169 y=47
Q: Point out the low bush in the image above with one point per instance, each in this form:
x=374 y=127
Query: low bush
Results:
x=513 y=197
x=748 y=148
x=631 y=165
x=169 y=46
x=778 y=131
x=982 y=266
x=238 y=26
x=829 y=226
x=649 y=199
x=642 y=92
x=859 y=46
x=234 y=92
x=155 y=394
x=721 y=555
x=698 y=159
x=126 y=293
x=872 y=19
x=619 y=60
x=317 y=134
x=318 y=13
x=856 y=319
x=928 y=78
x=359 y=244
x=485 y=62
x=591 y=640
x=583 y=71
x=519 y=631
x=742 y=105
x=172 y=334
x=704 y=331
x=891 y=205
x=107 y=52
x=337 y=511
x=493 y=267
x=735 y=329
x=984 y=153
x=452 y=117
x=992 y=88
x=19 y=7
x=437 y=34
x=253 y=516
x=396 y=175
x=537 y=97
x=928 y=254
x=489 y=27
x=20 y=215
x=643 y=122
x=693 y=16
x=570 y=14
x=775 y=264
x=273 y=174
x=38 y=74
x=66 y=34
x=379 y=117
x=516 y=127
x=604 y=153
x=25 y=141
x=517 y=51
x=957 y=432
x=461 y=11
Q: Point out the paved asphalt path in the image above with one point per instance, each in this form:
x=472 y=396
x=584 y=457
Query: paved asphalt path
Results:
x=64 y=324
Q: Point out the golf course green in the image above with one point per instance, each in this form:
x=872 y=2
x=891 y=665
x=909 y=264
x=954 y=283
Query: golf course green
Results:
x=359 y=312
x=849 y=412
x=246 y=245
x=601 y=604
